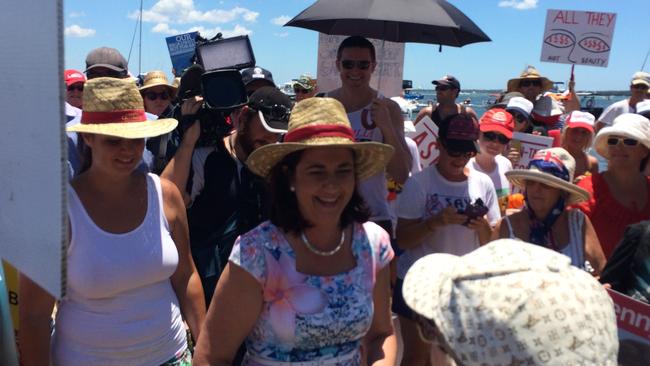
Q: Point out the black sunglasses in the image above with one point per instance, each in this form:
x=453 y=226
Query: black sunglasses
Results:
x=613 y=141
x=640 y=86
x=461 y=154
x=493 y=136
x=443 y=87
x=300 y=91
x=76 y=87
x=276 y=112
x=519 y=118
x=351 y=64
x=534 y=82
x=153 y=95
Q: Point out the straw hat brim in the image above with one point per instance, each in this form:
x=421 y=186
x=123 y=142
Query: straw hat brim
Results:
x=172 y=89
x=370 y=158
x=130 y=130
x=518 y=177
x=514 y=83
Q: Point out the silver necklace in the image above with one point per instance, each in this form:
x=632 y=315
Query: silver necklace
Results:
x=311 y=248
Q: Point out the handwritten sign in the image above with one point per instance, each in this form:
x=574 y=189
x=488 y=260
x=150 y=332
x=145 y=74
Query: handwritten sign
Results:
x=528 y=144
x=578 y=37
x=633 y=320
x=426 y=137
x=181 y=50
x=387 y=78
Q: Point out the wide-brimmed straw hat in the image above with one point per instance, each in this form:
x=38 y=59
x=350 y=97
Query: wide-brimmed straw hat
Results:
x=629 y=125
x=114 y=107
x=158 y=78
x=321 y=122
x=514 y=303
x=554 y=167
x=530 y=73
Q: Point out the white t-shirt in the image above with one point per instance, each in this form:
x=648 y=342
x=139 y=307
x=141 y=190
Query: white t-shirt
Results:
x=426 y=194
x=614 y=110
x=498 y=177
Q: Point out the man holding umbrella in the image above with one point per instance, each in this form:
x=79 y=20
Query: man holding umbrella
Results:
x=373 y=118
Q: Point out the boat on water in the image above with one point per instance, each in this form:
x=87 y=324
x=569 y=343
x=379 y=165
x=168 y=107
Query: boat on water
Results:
x=287 y=88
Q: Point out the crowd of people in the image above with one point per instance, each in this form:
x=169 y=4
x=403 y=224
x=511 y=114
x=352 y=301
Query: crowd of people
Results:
x=279 y=243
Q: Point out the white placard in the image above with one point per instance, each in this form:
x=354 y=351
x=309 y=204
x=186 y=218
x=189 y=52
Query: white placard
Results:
x=34 y=174
x=387 y=77
x=578 y=37
x=426 y=137
x=528 y=145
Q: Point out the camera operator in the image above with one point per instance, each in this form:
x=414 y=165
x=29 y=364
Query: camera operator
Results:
x=223 y=198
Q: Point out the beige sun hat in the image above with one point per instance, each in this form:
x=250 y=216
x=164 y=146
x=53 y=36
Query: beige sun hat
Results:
x=317 y=122
x=158 y=78
x=114 y=107
x=554 y=167
x=630 y=125
x=514 y=303
x=530 y=73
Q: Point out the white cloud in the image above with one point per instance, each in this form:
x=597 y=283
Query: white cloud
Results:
x=77 y=14
x=519 y=5
x=184 y=12
x=238 y=30
x=281 y=20
x=281 y=35
x=78 y=32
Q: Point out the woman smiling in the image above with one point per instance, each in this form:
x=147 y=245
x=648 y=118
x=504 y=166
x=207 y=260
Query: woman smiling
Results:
x=310 y=286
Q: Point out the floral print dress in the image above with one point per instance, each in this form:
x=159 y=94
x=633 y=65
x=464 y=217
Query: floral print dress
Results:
x=308 y=318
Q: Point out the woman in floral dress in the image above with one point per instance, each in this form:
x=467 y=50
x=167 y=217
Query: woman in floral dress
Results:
x=310 y=286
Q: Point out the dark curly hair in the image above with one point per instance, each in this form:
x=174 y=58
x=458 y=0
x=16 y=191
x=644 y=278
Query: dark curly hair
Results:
x=285 y=213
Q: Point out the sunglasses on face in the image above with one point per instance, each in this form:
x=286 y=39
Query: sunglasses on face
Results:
x=534 y=82
x=276 y=112
x=518 y=117
x=613 y=141
x=76 y=87
x=640 y=87
x=461 y=154
x=493 y=136
x=153 y=96
x=351 y=64
x=443 y=88
x=300 y=91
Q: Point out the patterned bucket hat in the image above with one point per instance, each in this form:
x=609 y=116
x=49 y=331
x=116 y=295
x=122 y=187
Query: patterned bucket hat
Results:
x=514 y=303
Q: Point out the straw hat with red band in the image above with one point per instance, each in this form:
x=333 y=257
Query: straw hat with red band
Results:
x=114 y=107
x=321 y=122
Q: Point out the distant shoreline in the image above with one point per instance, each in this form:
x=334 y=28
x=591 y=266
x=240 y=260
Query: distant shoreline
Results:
x=496 y=91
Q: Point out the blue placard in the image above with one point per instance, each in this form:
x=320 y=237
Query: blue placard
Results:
x=181 y=49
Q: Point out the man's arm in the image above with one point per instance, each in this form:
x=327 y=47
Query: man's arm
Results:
x=388 y=117
x=178 y=168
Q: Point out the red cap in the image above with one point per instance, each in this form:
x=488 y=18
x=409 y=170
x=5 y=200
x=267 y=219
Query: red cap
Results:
x=497 y=120
x=73 y=76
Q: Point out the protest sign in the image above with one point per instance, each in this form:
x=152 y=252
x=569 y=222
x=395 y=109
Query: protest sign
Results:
x=528 y=144
x=34 y=179
x=426 y=137
x=633 y=320
x=387 y=78
x=181 y=50
x=578 y=37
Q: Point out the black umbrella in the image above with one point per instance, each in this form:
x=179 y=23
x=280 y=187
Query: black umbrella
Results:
x=418 y=21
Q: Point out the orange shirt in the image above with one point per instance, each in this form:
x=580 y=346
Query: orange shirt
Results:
x=609 y=217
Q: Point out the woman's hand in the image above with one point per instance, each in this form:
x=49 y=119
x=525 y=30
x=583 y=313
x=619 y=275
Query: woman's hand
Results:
x=513 y=155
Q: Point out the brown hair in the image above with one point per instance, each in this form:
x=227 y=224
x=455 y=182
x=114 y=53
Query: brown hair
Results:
x=356 y=42
x=285 y=213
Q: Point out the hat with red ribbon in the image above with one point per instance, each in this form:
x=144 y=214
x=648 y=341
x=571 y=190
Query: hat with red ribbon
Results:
x=321 y=122
x=114 y=107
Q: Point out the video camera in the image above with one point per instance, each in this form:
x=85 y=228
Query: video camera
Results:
x=215 y=76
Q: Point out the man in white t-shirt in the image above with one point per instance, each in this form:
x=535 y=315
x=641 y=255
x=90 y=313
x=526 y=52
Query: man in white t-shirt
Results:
x=435 y=215
x=638 y=90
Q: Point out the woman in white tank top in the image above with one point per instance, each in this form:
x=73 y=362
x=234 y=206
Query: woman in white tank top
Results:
x=544 y=220
x=130 y=276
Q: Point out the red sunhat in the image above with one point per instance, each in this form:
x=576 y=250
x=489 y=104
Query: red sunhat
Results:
x=497 y=120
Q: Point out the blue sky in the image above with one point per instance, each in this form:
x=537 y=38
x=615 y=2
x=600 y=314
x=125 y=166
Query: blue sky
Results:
x=515 y=26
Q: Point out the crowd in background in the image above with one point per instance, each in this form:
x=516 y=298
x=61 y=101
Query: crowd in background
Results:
x=297 y=233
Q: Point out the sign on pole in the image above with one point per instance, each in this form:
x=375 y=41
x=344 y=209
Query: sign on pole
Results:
x=181 y=49
x=528 y=145
x=578 y=37
x=387 y=77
